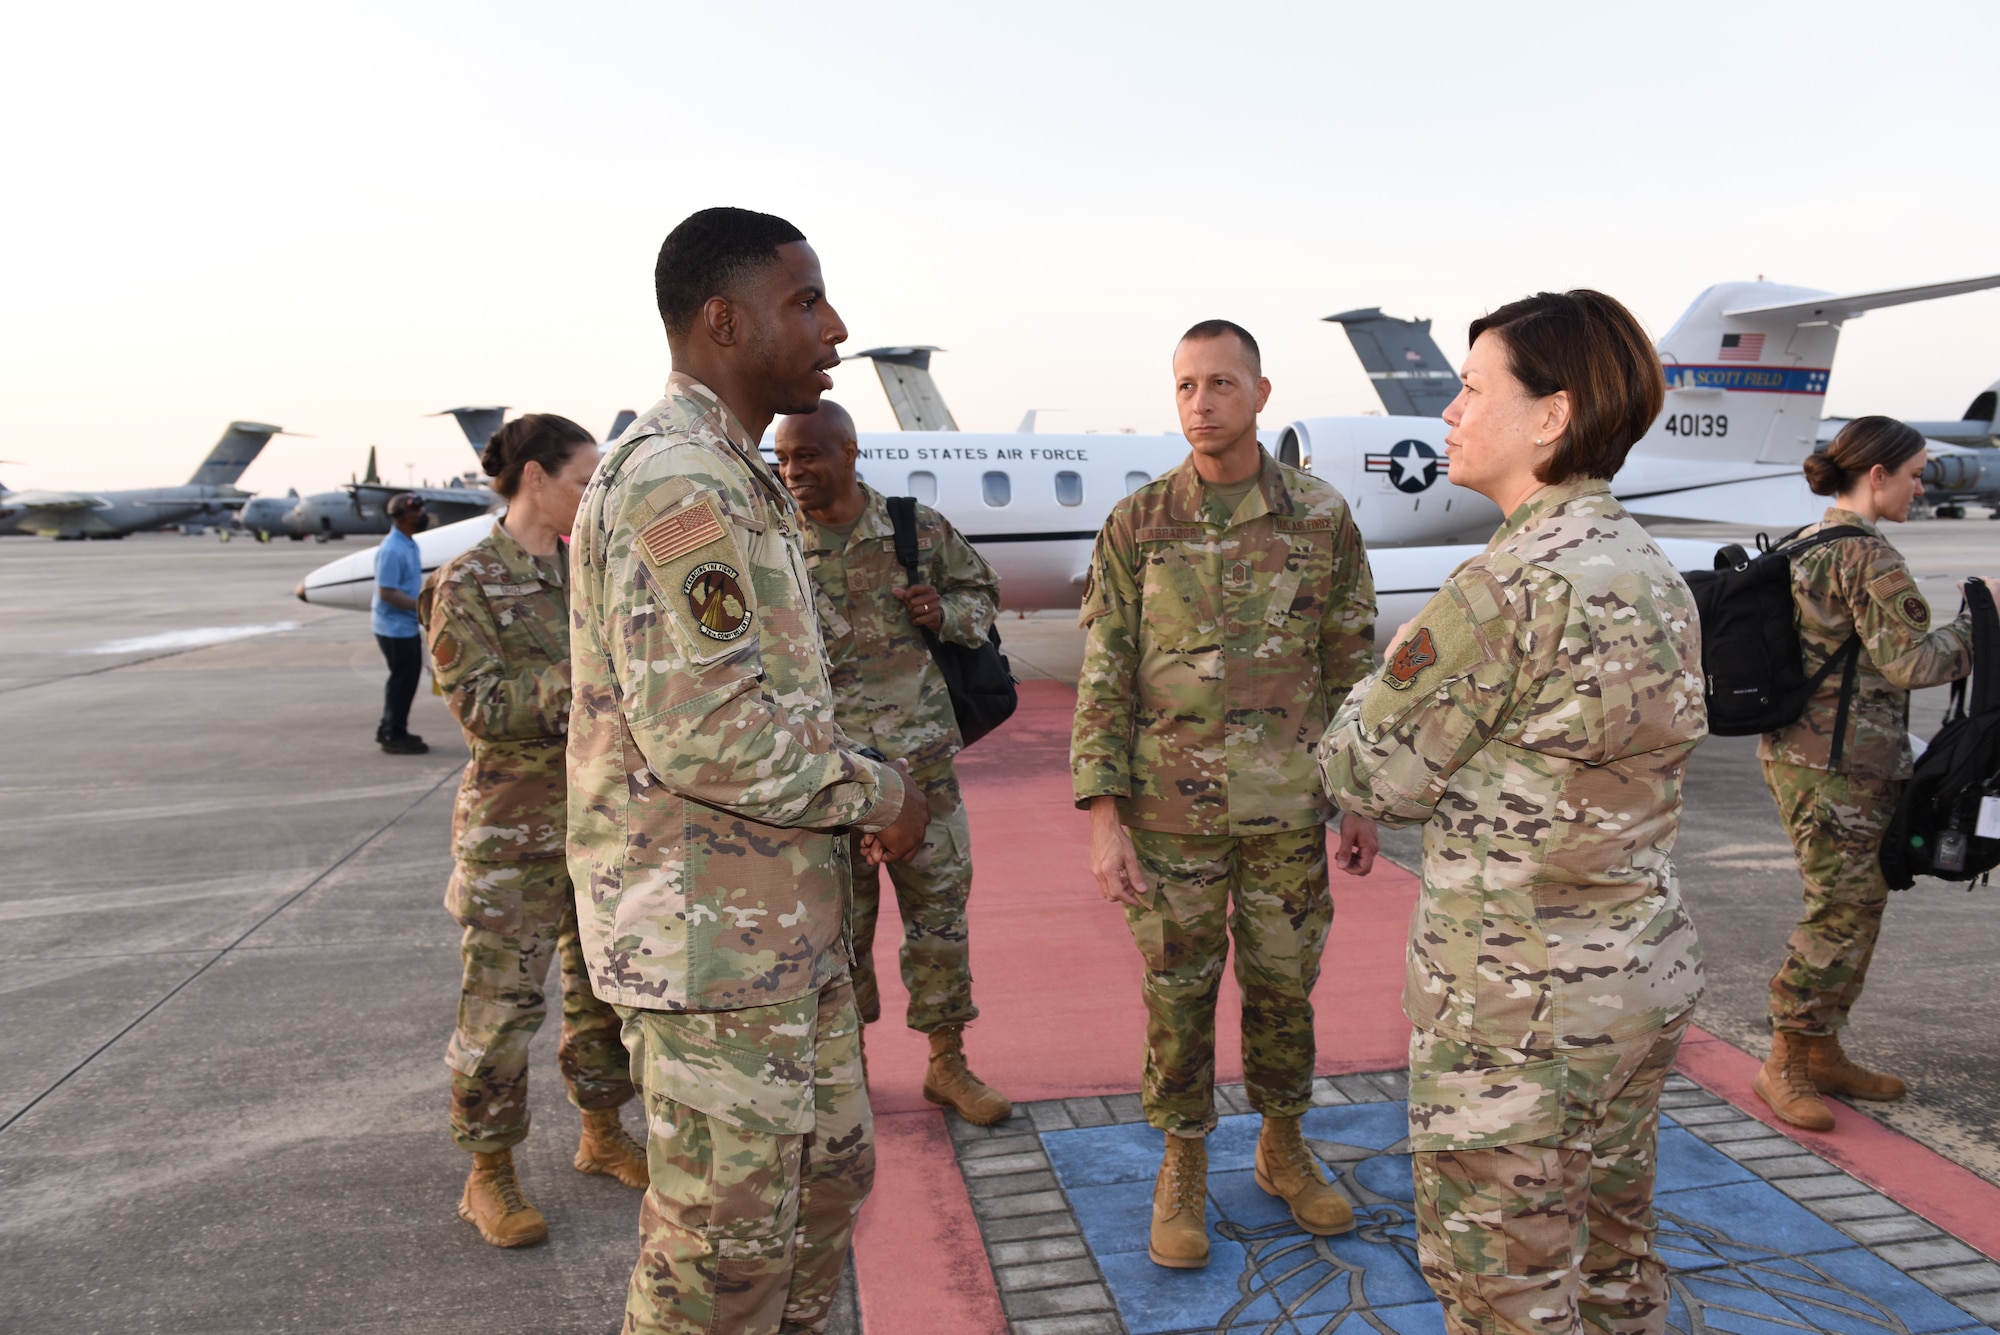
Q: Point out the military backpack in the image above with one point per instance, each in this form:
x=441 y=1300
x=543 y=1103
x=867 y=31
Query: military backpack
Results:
x=981 y=683
x=1948 y=822
x=1751 y=659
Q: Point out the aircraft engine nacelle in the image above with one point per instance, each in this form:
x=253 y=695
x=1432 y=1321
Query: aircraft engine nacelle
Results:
x=1392 y=471
x=1977 y=471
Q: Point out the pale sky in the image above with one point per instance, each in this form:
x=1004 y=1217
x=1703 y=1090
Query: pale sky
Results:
x=341 y=217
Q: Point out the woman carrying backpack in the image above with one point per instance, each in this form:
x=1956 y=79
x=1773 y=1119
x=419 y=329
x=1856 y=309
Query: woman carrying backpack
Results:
x=1838 y=772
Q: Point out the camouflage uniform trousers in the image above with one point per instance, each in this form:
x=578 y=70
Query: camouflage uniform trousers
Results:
x=932 y=889
x=518 y=917
x=1836 y=822
x=1183 y=924
x=746 y=1227
x=1552 y=1232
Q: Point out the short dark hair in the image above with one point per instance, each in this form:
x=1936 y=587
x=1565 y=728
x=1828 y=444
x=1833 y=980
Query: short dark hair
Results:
x=542 y=438
x=1220 y=328
x=1590 y=345
x=709 y=251
x=1859 y=446
x=401 y=501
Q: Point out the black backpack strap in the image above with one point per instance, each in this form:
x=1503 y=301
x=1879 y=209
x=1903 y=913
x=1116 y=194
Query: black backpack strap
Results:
x=1848 y=655
x=1985 y=692
x=903 y=516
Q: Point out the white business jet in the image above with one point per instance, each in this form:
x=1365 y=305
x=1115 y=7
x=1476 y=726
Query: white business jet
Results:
x=1747 y=369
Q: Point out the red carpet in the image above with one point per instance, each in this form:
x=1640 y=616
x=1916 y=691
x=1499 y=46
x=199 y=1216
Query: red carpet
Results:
x=1057 y=981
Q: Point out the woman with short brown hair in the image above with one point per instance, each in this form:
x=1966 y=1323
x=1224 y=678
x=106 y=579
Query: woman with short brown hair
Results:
x=1536 y=718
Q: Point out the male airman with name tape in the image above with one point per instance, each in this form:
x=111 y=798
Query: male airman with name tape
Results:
x=711 y=799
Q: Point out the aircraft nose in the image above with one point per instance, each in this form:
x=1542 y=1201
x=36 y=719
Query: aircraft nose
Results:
x=300 y=592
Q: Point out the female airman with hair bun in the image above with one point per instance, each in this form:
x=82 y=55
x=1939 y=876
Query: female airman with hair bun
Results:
x=1838 y=772
x=498 y=624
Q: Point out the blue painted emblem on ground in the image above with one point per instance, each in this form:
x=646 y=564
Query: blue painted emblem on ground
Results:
x=1744 y=1257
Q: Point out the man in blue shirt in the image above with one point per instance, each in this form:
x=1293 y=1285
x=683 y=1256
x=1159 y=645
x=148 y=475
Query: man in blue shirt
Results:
x=399 y=578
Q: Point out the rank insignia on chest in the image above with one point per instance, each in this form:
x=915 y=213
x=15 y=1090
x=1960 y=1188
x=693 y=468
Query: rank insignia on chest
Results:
x=1916 y=611
x=715 y=599
x=1412 y=657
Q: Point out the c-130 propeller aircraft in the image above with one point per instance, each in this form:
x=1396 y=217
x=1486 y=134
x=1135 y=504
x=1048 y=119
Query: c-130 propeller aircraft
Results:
x=1747 y=368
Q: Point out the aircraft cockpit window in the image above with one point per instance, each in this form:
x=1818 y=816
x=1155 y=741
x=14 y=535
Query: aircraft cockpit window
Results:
x=997 y=488
x=1069 y=488
x=923 y=486
x=1135 y=480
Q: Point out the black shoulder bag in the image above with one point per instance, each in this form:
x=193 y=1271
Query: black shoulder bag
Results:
x=981 y=684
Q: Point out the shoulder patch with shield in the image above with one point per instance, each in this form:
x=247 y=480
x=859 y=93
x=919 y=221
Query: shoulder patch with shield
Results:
x=704 y=580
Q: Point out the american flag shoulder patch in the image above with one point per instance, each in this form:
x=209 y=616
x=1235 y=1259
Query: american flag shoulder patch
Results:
x=681 y=531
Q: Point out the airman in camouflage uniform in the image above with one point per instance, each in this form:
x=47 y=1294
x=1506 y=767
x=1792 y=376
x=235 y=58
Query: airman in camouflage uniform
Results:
x=711 y=793
x=1219 y=638
x=498 y=626
x=1536 y=718
x=888 y=694
x=1836 y=813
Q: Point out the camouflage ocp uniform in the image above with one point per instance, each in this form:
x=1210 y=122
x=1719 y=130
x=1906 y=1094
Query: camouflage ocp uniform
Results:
x=710 y=798
x=498 y=631
x=1537 y=721
x=889 y=694
x=1836 y=816
x=1217 y=647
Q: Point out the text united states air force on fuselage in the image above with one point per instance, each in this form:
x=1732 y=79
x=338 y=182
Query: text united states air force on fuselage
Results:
x=973 y=452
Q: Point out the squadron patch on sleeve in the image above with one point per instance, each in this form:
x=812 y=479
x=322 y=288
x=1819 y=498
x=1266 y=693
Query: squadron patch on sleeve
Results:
x=1410 y=659
x=444 y=650
x=1916 y=611
x=715 y=600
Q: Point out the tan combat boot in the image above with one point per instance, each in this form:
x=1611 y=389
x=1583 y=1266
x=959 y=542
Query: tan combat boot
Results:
x=493 y=1203
x=606 y=1149
x=950 y=1082
x=1288 y=1170
x=1179 y=1238
x=1834 y=1072
x=1785 y=1084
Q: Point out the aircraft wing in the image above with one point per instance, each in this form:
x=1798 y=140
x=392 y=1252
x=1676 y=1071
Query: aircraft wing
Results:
x=1833 y=308
x=53 y=501
x=477 y=498
x=226 y=502
x=1777 y=503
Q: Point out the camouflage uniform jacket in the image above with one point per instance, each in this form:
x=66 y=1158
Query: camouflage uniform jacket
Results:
x=497 y=619
x=887 y=690
x=710 y=789
x=1537 y=719
x=1215 y=653
x=1862 y=584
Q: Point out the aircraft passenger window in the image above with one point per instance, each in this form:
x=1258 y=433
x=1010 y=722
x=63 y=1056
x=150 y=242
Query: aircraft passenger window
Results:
x=1069 y=488
x=1135 y=480
x=923 y=486
x=997 y=488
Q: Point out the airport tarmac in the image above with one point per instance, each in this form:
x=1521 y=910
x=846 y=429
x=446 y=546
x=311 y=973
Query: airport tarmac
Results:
x=231 y=978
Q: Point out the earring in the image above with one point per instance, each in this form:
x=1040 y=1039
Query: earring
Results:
x=1538 y=440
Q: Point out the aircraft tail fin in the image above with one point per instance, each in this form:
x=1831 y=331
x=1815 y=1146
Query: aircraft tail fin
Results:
x=1411 y=375
x=478 y=424
x=1984 y=407
x=239 y=447
x=372 y=475
x=624 y=419
x=906 y=379
x=1747 y=367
